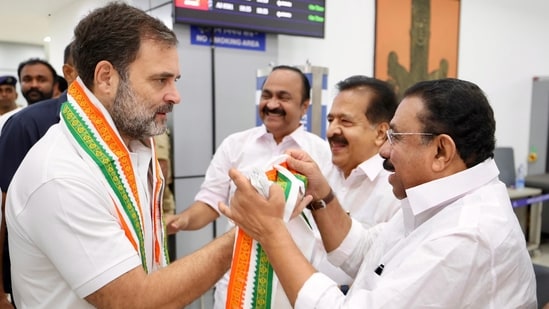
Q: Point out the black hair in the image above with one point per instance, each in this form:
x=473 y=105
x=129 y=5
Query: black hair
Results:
x=114 y=33
x=67 y=57
x=62 y=84
x=33 y=61
x=384 y=102
x=460 y=109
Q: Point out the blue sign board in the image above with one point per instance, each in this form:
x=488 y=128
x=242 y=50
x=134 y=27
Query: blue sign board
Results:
x=229 y=38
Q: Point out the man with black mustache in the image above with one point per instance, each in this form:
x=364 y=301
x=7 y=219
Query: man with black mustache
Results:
x=285 y=98
x=38 y=80
x=358 y=123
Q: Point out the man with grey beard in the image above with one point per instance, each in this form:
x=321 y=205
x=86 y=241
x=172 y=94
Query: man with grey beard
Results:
x=84 y=209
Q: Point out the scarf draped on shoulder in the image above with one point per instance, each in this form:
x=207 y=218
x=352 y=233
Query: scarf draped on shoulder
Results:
x=100 y=145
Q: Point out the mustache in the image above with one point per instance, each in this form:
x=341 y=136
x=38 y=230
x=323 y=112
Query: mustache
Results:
x=387 y=165
x=338 y=139
x=275 y=111
x=34 y=90
x=165 y=109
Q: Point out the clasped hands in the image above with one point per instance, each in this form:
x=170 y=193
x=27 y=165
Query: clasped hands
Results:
x=261 y=217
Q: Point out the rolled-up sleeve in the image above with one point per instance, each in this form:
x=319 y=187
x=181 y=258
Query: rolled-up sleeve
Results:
x=350 y=253
x=319 y=291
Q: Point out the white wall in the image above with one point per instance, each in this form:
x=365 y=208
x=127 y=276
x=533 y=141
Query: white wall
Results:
x=348 y=46
x=62 y=28
x=503 y=44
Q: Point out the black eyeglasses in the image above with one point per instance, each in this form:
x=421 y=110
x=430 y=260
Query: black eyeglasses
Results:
x=392 y=135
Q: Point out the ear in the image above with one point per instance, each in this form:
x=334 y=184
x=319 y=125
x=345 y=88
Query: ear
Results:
x=304 y=107
x=446 y=152
x=69 y=72
x=105 y=79
x=381 y=133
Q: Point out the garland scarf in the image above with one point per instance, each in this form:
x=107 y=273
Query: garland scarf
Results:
x=252 y=281
x=101 y=146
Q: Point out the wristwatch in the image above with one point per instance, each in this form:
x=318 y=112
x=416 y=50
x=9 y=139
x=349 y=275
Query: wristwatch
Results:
x=319 y=204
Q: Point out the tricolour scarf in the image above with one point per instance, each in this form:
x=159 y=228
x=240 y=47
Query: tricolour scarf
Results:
x=252 y=281
x=100 y=145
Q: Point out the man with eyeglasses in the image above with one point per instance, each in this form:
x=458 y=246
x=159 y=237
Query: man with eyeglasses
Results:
x=456 y=243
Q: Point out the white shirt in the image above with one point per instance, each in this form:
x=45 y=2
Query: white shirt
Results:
x=368 y=197
x=245 y=151
x=64 y=234
x=366 y=194
x=456 y=244
x=253 y=148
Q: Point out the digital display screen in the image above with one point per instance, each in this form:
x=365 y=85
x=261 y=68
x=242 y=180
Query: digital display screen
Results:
x=293 y=17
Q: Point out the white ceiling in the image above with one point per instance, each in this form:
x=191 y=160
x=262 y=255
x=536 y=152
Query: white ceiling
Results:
x=27 y=21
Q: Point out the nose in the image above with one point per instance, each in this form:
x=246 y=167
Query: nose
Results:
x=333 y=129
x=272 y=103
x=33 y=83
x=173 y=96
x=385 y=150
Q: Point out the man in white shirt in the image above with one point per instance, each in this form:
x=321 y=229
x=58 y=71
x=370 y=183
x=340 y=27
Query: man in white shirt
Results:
x=84 y=207
x=358 y=123
x=456 y=242
x=285 y=98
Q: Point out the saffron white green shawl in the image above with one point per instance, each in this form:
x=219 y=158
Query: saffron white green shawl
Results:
x=100 y=145
x=252 y=281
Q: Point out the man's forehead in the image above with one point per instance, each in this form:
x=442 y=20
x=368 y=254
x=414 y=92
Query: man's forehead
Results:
x=407 y=112
x=35 y=66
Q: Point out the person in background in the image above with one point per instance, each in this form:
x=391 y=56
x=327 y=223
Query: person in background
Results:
x=83 y=208
x=358 y=123
x=60 y=87
x=285 y=98
x=456 y=241
x=8 y=106
x=22 y=131
x=8 y=98
x=8 y=94
x=163 y=145
x=38 y=80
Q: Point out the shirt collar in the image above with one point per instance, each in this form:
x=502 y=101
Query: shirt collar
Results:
x=296 y=135
x=444 y=190
x=371 y=167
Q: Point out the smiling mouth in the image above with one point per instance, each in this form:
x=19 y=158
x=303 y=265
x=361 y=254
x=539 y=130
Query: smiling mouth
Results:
x=276 y=115
x=337 y=145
